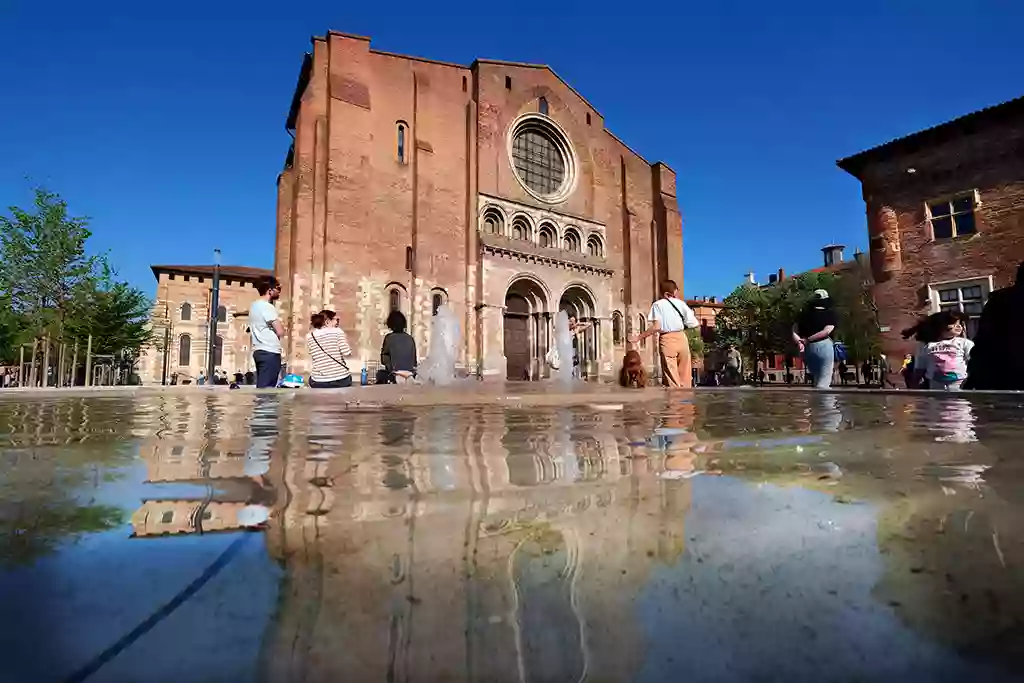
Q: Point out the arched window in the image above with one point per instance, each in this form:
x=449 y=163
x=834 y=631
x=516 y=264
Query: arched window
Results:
x=616 y=328
x=542 y=106
x=438 y=298
x=401 y=142
x=218 y=351
x=185 y=350
x=186 y=312
x=572 y=240
x=222 y=314
x=493 y=224
x=594 y=246
x=547 y=236
x=520 y=229
x=394 y=300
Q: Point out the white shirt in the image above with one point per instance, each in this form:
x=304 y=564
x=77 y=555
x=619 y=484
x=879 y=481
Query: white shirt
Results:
x=261 y=316
x=669 y=319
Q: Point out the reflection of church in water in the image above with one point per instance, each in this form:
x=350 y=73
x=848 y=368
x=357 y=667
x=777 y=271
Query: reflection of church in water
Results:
x=512 y=548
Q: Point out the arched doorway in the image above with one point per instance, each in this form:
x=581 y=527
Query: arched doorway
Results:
x=525 y=325
x=578 y=302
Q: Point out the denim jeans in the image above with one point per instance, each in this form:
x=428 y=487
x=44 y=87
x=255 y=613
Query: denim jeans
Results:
x=820 y=357
x=268 y=368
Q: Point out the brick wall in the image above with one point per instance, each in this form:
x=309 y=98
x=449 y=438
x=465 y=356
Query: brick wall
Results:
x=173 y=290
x=906 y=259
x=357 y=220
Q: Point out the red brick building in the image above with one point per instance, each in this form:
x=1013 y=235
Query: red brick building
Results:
x=945 y=211
x=493 y=187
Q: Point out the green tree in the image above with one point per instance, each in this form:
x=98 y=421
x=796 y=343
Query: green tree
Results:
x=696 y=342
x=50 y=286
x=857 y=316
x=747 y=320
x=46 y=270
x=116 y=315
x=759 y=320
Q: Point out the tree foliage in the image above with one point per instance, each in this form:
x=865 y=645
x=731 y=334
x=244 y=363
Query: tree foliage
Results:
x=697 y=349
x=759 y=320
x=52 y=287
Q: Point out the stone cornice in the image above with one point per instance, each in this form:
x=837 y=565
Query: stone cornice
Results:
x=525 y=251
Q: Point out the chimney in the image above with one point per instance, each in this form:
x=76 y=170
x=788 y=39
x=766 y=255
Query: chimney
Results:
x=861 y=258
x=750 y=278
x=833 y=254
x=782 y=275
x=773 y=278
x=714 y=299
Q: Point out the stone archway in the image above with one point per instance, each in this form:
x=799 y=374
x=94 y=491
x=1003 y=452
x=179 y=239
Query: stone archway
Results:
x=578 y=301
x=525 y=329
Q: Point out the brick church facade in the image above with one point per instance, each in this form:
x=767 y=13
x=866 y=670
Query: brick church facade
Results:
x=494 y=188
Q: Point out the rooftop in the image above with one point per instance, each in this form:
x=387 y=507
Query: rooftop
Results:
x=234 y=272
x=943 y=132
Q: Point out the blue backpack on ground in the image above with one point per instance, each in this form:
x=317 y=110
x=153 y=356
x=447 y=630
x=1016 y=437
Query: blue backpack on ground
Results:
x=840 y=351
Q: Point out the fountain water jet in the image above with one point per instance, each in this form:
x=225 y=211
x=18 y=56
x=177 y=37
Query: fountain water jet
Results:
x=563 y=343
x=438 y=367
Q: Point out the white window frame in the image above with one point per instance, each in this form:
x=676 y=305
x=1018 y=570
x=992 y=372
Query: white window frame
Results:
x=949 y=199
x=985 y=282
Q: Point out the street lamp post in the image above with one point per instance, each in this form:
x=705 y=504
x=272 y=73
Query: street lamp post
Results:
x=167 y=338
x=214 y=306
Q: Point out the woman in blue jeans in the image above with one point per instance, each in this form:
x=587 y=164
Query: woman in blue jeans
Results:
x=813 y=334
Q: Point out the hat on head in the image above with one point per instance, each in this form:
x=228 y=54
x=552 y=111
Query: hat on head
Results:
x=820 y=294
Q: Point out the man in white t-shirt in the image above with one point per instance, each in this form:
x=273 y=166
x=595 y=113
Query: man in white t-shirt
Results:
x=669 y=318
x=266 y=331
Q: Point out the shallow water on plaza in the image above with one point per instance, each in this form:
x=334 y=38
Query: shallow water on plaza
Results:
x=510 y=533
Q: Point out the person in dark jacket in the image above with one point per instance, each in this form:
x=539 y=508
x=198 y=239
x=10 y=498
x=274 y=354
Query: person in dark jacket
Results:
x=398 y=352
x=996 y=360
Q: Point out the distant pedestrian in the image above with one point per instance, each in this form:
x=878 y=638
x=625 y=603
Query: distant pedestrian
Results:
x=266 y=331
x=201 y=379
x=813 y=335
x=669 y=318
x=733 y=366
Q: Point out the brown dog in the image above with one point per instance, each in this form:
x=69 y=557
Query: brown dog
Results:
x=633 y=373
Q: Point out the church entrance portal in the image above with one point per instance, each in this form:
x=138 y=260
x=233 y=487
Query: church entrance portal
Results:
x=525 y=330
x=579 y=303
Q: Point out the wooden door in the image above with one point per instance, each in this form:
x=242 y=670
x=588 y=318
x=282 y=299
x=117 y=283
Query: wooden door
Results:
x=517 y=346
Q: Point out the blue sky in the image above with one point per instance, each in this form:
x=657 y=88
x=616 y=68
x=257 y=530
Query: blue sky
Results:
x=166 y=125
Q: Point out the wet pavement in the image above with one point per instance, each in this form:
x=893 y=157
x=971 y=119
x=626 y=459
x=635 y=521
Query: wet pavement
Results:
x=510 y=533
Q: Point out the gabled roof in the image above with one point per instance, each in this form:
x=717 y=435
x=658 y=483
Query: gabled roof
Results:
x=968 y=123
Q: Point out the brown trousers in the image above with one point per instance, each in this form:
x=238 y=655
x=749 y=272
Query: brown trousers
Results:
x=675 y=359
